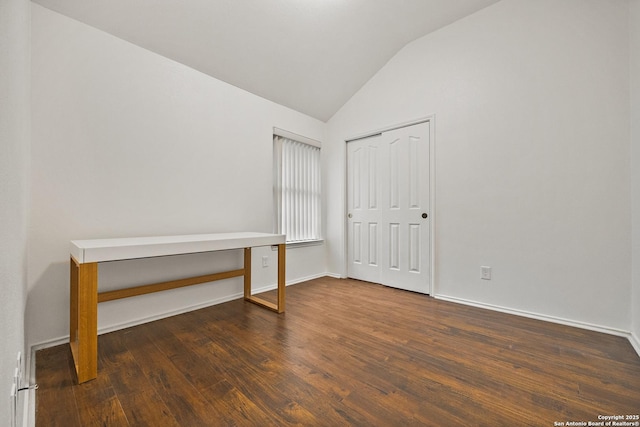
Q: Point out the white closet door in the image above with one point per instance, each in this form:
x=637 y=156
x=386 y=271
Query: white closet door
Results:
x=388 y=208
x=364 y=233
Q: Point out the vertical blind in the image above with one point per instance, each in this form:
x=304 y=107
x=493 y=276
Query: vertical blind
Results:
x=297 y=189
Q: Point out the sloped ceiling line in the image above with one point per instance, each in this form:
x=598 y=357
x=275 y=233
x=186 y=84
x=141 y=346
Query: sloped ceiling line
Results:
x=309 y=55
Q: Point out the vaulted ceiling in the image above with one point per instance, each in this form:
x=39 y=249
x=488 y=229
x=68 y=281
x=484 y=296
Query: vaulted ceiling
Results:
x=309 y=55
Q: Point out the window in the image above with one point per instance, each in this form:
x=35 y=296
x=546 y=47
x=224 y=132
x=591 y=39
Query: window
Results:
x=296 y=187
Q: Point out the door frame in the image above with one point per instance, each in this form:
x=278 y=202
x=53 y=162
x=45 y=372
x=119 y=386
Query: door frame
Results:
x=432 y=192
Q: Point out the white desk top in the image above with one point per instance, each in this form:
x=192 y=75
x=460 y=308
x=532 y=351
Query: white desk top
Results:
x=101 y=250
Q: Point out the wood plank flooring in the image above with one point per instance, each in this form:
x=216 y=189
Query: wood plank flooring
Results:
x=346 y=353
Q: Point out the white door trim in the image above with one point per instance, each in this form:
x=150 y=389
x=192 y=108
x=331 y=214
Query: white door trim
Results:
x=432 y=192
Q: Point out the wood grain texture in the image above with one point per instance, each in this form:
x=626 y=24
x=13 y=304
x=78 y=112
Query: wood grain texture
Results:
x=73 y=300
x=263 y=303
x=282 y=268
x=84 y=319
x=346 y=353
x=278 y=303
x=165 y=286
x=247 y=273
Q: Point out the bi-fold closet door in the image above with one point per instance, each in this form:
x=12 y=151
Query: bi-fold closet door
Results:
x=388 y=208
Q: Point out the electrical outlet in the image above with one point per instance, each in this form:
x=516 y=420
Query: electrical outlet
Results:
x=265 y=261
x=485 y=273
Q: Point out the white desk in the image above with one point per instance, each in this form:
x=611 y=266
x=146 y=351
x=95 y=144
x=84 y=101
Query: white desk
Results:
x=86 y=254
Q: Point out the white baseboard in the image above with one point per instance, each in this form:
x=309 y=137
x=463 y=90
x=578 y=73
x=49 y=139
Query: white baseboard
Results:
x=546 y=318
x=147 y=319
x=139 y=321
x=635 y=342
x=29 y=404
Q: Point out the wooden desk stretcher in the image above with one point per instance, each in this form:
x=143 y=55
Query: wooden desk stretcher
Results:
x=84 y=298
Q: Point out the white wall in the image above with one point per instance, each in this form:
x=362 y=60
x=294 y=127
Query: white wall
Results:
x=634 y=48
x=14 y=146
x=531 y=104
x=129 y=143
x=532 y=110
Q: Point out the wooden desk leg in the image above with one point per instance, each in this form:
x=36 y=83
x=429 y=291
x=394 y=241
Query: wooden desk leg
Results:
x=83 y=322
x=73 y=301
x=278 y=307
x=247 y=273
x=281 y=277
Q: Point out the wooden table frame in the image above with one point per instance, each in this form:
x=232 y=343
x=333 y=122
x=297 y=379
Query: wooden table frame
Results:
x=84 y=295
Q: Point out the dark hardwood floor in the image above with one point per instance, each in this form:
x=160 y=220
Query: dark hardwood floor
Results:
x=346 y=353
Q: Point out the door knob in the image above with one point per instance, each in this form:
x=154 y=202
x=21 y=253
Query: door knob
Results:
x=424 y=215
x=349 y=215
